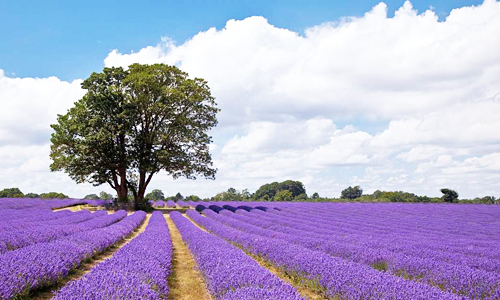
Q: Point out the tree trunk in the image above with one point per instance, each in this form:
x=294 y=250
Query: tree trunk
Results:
x=141 y=190
x=122 y=193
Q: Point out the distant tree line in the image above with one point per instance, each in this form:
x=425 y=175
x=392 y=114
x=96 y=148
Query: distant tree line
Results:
x=102 y=196
x=16 y=193
x=157 y=195
x=288 y=190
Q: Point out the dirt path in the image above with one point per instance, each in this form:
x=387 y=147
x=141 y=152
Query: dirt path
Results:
x=85 y=267
x=309 y=292
x=186 y=282
x=72 y=208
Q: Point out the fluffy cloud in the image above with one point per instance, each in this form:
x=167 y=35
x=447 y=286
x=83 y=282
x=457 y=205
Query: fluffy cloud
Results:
x=30 y=105
x=402 y=103
x=370 y=67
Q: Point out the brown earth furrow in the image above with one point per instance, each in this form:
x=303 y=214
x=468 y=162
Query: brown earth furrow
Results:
x=306 y=292
x=186 y=282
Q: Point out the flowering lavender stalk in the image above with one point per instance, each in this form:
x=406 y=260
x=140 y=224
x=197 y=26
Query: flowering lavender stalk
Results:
x=170 y=203
x=451 y=270
x=340 y=278
x=51 y=230
x=228 y=271
x=44 y=264
x=182 y=203
x=29 y=203
x=139 y=270
x=159 y=204
x=11 y=219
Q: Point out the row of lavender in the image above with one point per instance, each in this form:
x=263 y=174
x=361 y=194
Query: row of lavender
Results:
x=139 y=270
x=44 y=263
x=450 y=274
x=336 y=278
x=337 y=230
x=13 y=204
x=275 y=231
x=229 y=273
x=40 y=231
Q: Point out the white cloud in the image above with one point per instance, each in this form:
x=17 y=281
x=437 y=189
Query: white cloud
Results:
x=373 y=66
x=287 y=101
x=30 y=105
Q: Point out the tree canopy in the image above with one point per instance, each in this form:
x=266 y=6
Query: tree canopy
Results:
x=351 y=193
x=11 y=193
x=155 y=195
x=132 y=124
x=105 y=196
x=31 y=195
x=232 y=195
x=53 y=195
x=449 y=195
x=268 y=191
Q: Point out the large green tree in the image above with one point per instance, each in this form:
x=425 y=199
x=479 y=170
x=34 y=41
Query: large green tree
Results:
x=132 y=124
x=53 y=195
x=351 y=193
x=449 y=195
x=268 y=191
x=11 y=193
x=155 y=195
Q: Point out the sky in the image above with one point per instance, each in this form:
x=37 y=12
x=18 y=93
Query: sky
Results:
x=393 y=95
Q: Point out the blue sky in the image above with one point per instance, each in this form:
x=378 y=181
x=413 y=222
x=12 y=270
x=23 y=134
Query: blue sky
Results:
x=69 y=39
x=397 y=95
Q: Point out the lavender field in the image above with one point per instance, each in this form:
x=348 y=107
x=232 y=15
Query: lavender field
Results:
x=250 y=250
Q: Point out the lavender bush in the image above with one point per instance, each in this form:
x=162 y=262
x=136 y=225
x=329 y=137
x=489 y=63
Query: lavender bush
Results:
x=228 y=271
x=159 y=204
x=54 y=229
x=452 y=271
x=338 y=277
x=44 y=264
x=139 y=270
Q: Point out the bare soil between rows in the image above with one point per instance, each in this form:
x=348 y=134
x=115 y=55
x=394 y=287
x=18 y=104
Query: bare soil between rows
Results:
x=186 y=281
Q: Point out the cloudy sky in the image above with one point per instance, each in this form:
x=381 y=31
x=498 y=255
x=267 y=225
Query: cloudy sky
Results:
x=389 y=96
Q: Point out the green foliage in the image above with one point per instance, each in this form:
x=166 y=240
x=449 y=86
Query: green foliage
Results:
x=178 y=197
x=155 y=195
x=105 y=196
x=295 y=187
x=398 y=196
x=11 y=193
x=449 y=196
x=487 y=200
x=283 y=195
x=232 y=195
x=483 y=200
x=267 y=192
x=91 y=197
x=301 y=197
x=131 y=124
x=143 y=205
x=53 y=195
x=351 y=193
x=31 y=195
x=315 y=196
x=193 y=198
